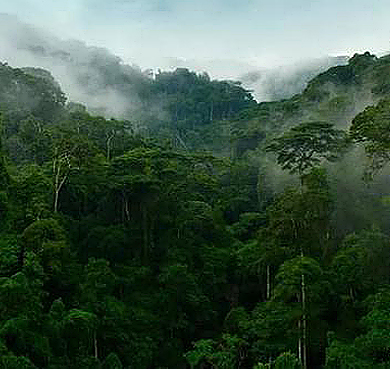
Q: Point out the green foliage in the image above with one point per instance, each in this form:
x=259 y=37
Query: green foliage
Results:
x=370 y=349
x=112 y=362
x=16 y=362
x=247 y=226
x=289 y=279
x=182 y=291
x=361 y=265
x=262 y=366
x=41 y=232
x=9 y=252
x=287 y=360
x=306 y=145
x=226 y=354
x=22 y=339
x=362 y=61
x=371 y=128
x=79 y=322
x=99 y=280
x=31 y=193
x=343 y=356
x=374 y=343
x=19 y=291
x=119 y=249
x=30 y=93
x=271 y=329
x=301 y=218
x=193 y=99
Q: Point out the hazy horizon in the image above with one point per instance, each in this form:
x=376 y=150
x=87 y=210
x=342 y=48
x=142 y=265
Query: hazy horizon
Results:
x=234 y=36
x=274 y=49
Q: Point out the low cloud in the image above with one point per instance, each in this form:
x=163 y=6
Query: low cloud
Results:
x=284 y=82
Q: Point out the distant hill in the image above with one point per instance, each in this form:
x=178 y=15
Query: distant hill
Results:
x=285 y=81
x=106 y=85
x=198 y=111
x=335 y=96
x=90 y=75
x=30 y=91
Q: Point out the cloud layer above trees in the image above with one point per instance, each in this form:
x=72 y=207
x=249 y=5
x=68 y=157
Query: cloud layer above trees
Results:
x=259 y=33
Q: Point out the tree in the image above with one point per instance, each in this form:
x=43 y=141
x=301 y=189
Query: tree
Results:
x=112 y=137
x=374 y=345
x=35 y=138
x=112 y=362
x=371 y=349
x=4 y=179
x=262 y=257
x=15 y=362
x=306 y=145
x=226 y=353
x=343 y=355
x=271 y=329
x=300 y=283
x=372 y=128
x=79 y=329
x=41 y=232
x=362 y=264
x=69 y=154
x=31 y=194
x=299 y=221
x=9 y=252
x=287 y=360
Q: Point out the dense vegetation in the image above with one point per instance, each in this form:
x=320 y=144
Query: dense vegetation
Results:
x=228 y=234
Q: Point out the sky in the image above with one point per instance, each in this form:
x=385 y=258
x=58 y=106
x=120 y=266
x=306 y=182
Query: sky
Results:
x=215 y=33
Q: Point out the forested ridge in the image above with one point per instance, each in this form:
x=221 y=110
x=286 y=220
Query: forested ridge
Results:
x=210 y=232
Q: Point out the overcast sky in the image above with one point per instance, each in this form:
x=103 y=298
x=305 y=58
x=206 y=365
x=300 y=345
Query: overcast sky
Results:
x=152 y=33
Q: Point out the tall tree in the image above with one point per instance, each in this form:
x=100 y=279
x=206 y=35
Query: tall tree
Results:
x=307 y=145
x=371 y=128
x=70 y=154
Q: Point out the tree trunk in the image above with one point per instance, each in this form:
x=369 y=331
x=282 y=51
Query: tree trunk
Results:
x=300 y=341
x=126 y=207
x=95 y=346
x=268 y=283
x=58 y=166
x=58 y=183
x=56 y=195
x=145 y=233
x=304 y=324
x=304 y=319
x=108 y=144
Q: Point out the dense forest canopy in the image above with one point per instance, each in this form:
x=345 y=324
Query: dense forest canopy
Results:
x=203 y=230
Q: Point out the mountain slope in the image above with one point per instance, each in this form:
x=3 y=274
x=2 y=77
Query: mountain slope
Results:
x=335 y=96
x=100 y=80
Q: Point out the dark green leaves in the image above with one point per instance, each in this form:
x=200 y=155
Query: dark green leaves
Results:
x=307 y=145
x=372 y=128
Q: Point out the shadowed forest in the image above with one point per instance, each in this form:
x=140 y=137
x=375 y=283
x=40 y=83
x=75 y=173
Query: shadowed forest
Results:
x=198 y=228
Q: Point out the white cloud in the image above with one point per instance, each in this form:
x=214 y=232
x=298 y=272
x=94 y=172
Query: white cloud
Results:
x=148 y=32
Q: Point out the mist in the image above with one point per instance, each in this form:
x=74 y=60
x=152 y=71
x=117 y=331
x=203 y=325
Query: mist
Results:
x=82 y=70
x=110 y=85
x=285 y=81
x=273 y=49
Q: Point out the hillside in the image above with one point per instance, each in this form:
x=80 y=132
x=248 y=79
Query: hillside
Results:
x=108 y=86
x=210 y=232
x=335 y=96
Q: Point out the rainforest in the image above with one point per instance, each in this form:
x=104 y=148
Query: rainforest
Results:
x=171 y=220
